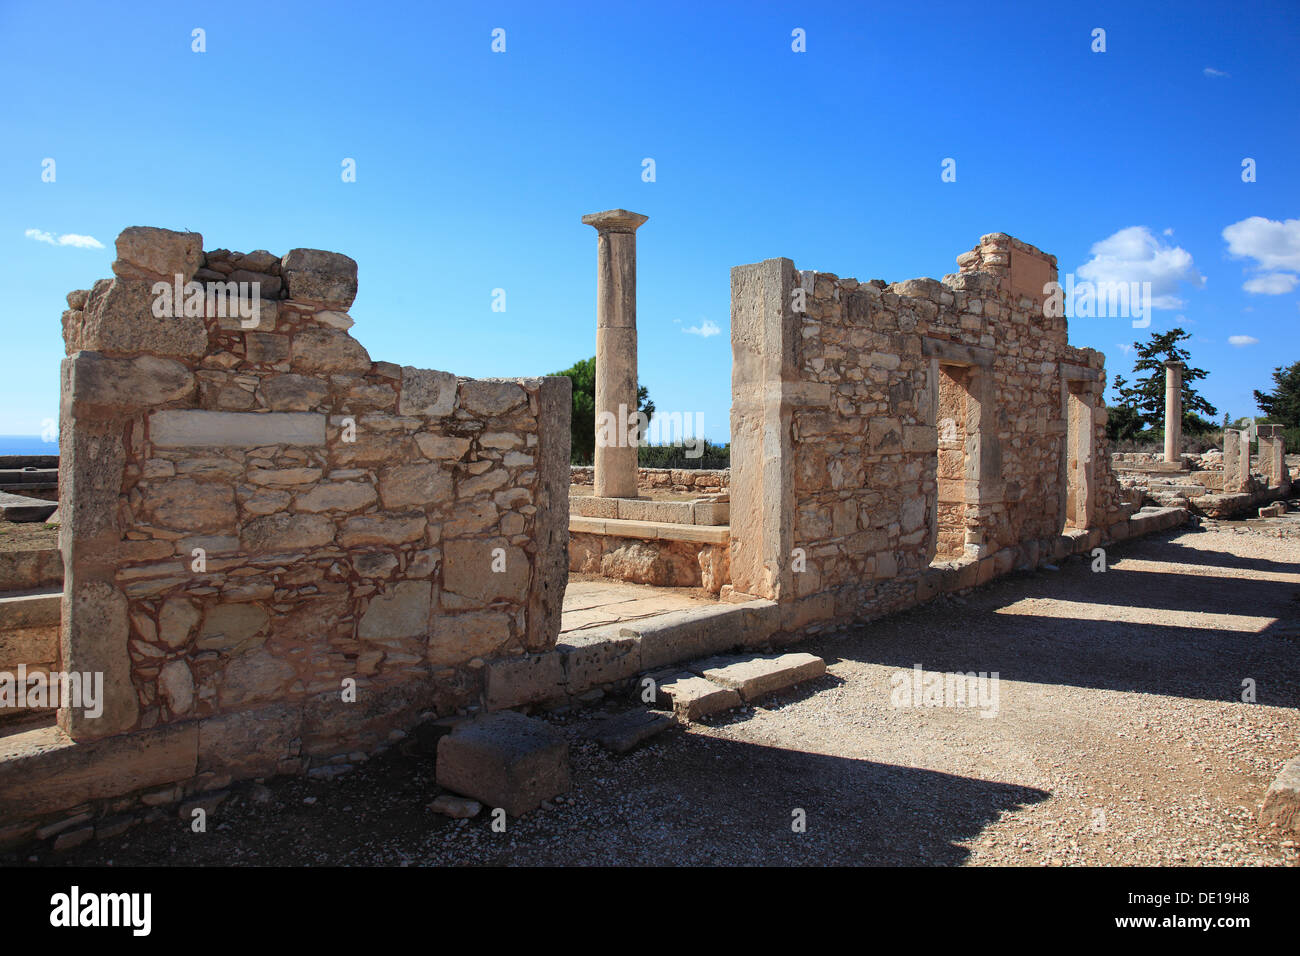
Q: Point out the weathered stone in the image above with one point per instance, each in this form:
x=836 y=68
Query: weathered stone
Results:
x=147 y=252
x=441 y=447
x=426 y=393
x=188 y=428
x=329 y=351
x=485 y=570
x=142 y=381
x=692 y=697
x=119 y=319
x=368 y=530
x=456 y=638
x=415 y=485
x=755 y=677
x=253 y=676
x=458 y=808
x=490 y=398
x=176 y=685
x=227 y=626
x=281 y=532
x=314 y=275
x=176 y=621
x=188 y=505
x=505 y=760
x=402 y=611
x=1282 y=800
x=627 y=731
x=337 y=496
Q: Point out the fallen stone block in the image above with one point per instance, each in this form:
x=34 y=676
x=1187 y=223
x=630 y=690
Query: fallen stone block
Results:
x=692 y=697
x=755 y=677
x=1282 y=800
x=505 y=760
x=625 y=732
x=1275 y=510
x=22 y=508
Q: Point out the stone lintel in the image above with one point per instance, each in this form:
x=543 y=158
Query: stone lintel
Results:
x=955 y=353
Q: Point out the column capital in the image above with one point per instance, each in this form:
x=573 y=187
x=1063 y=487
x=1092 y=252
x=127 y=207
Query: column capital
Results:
x=1175 y=363
x=615 y=220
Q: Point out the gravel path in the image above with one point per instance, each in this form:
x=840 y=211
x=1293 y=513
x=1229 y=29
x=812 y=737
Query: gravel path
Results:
x=1120 y=738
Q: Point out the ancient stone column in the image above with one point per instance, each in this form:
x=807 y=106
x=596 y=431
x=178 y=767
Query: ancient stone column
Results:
x=616 y=378
x=1173 y=411
x=1236 y=460
x=1272 y=456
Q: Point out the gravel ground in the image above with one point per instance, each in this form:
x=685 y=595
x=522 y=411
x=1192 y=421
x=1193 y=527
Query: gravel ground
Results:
x=1120 y=737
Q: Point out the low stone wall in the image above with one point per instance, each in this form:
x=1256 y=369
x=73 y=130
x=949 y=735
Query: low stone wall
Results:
x=662 y=562
x=704 y=481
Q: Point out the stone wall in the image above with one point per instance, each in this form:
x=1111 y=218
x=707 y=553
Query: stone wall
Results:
x=702 y=480
x=877 y=428
x=257 y=516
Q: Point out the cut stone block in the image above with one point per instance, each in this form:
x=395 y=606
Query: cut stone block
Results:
x=179 y=428
x=505 y=760
x=629 y=730
x=755 y=677
x=1282 y=801
x=692 y=697
x=22 y=508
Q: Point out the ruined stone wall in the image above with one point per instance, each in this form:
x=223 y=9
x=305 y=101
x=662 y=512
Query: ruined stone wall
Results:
x=703 y=480
x=254 y=514
x=874 y=424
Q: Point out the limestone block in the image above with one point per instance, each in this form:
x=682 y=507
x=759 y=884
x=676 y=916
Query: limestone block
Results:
x=119 y=319
x=1282 y=800
x=147 y=252
x=457 y=638
x=531 y=679
x=505 y=760
x=692 y=697
x=402 y=611
x=468 y=570
x=419 y=485
x=365 y=530
x=314 y=275
x=490 y=398
x=293 y=393
x=145 y=380
x=283 y=532
x=188 y=505
x=426 y=393
x=328 y=351
x=179 y=428
x=228 y=626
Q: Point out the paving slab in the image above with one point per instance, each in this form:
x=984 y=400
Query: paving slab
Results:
x=627 y=731
x=754 y=677
x=692 y=697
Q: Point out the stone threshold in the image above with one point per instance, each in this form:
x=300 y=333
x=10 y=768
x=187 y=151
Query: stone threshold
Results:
x=651 y=530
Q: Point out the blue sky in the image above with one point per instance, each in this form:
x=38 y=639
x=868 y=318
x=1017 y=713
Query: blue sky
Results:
x=474 y=168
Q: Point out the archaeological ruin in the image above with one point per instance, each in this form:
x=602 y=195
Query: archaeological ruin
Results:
x=281 y=555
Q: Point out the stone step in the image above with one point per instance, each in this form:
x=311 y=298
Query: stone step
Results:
x=691 y=697
x=36 y=608
x=754 y=677
x=22 y=508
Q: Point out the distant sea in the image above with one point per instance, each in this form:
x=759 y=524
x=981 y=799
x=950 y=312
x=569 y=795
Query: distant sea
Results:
x=27 y=445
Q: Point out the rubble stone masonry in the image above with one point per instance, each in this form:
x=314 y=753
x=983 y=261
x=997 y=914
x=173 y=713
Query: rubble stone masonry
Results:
x=256 y=516
x=886 y=437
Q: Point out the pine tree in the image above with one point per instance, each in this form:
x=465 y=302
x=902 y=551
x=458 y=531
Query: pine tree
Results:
x=583 y=376
x=1282 y=405
x=1147 y=394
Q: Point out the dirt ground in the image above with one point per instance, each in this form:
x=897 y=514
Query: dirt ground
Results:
x=1120 y=737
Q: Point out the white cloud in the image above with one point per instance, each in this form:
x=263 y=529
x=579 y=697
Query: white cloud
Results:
x=1124 y=348
x=703 y=330
x=67 y=239
x=1211 y=71
x=1135 y=255
x=1240 y=340
x=1271 y=283
x=1169 y=231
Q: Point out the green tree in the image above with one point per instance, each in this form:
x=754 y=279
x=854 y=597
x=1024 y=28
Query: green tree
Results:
x=583 y=377
x=1147 y=394
x=1282 y=405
